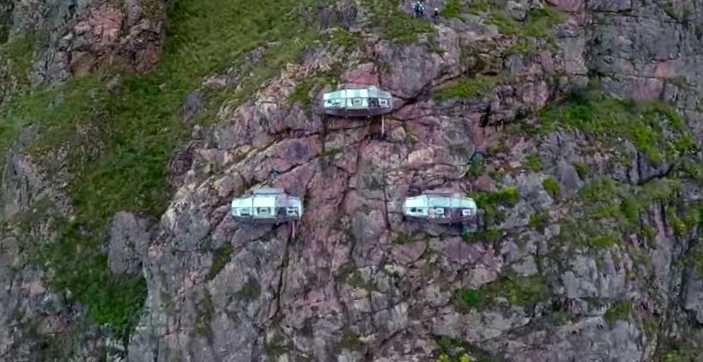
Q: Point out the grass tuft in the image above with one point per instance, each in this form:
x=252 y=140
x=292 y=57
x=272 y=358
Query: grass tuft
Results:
x=551 y=185
x=395 y=24
x=480 y=85
x=517 y=290
x=621 y=310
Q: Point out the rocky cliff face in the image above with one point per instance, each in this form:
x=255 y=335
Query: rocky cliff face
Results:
x=575 y=125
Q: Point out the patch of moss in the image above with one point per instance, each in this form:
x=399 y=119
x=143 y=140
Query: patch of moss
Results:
x=621 y=310
x=454 y=350
x=452 y=9
x=301 y=94
x=695 y=259
x=491 y=202
x=517 y=290
x=251 y=290
x=220 y=258
x=467 y=88
x=631 y=209
x=274 y=348
x=505 y=24
x=582 y=169
x=472 y=298
x=551 y=185
x=604 y=241
x=19 y=52
x=533 y=163
x=350 y=341
x=538 y=24
x=605 y=212
x=356 y=280
x=508 y=196
x=478 y=7
x=206 y=311
x=541 y=21
x=523 y=46
x=681 y=352
x=539 y=221
x=345 y=39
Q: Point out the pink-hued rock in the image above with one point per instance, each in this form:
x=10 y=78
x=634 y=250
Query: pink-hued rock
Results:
x=355 y=279
x=409 y=253
x=364 y=74
x=645 y=89
x=568 y=5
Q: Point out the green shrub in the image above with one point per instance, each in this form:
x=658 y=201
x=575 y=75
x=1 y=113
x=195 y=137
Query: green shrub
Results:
x=551 y=185
x=489 y=235
x=523 y=290
x=505 y=24
x=489 y=203
x=541 y=21
x=621 y=310
x=582 y=169
x=603 y=241
x=452 y=9
x=509 y=196
x=644 y=124
x=18 y=51
x=472 y=297
x=301 y=94
x=477 y=7
x=539 y=221
x=631 y=209
x=533 y=163
x=455 y=350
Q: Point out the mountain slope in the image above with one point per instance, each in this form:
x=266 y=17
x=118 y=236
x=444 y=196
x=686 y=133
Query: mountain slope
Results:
x=130 y=126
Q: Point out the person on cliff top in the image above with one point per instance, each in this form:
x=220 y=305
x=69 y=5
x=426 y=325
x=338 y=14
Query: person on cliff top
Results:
x=419 y=9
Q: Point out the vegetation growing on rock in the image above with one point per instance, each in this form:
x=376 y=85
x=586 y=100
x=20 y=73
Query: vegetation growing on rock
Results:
x=621 y=310
x=516 y=290
x=133 y=125
x=467 y=88
x=654 y=128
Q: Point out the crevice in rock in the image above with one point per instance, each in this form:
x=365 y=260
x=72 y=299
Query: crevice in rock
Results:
x=282 y=274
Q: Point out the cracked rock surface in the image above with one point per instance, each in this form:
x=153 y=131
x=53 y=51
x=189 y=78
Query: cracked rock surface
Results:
x=354 y=280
